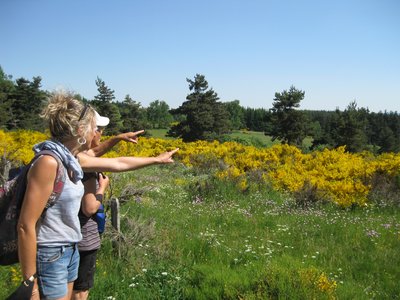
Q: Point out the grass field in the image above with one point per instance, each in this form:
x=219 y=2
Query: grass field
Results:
x=255 y=138
x=244 y=135
x=158 y=133
x=186 y=235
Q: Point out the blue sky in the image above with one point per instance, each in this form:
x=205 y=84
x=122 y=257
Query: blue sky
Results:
x=336 y=51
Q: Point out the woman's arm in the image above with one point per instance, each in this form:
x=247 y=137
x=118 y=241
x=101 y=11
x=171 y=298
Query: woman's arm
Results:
x=41 y=177
x=90 y=204
x=105 y=146
x=121 y=164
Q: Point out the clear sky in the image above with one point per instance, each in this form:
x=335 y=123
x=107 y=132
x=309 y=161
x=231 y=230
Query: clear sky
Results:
x=336 y=51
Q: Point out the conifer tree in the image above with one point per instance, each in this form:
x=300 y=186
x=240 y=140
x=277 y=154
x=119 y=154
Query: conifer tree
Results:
x=6 y=90
x=205 y=117
x=288 y=124
x=27 y=103
x=103 y=102
x=352 y=128
x=132 y=114
x=105 y=95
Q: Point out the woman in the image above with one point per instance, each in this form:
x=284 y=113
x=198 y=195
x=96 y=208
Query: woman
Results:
x=47 y=243
x=95 y=186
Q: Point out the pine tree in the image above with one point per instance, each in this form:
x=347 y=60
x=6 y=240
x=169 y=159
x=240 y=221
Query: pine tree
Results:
x=352 y=128
x=105 y=95
x=27 y=103
x=6 y=90
x=288 y=124
x=103 y=102
x=132 y=114
x=205 y=117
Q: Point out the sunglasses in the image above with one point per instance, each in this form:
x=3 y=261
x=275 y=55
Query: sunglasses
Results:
x=83 y=113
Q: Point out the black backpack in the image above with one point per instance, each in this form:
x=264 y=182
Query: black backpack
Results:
x=11 y=197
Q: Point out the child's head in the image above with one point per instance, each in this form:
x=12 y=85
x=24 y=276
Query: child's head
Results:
x=101 y=123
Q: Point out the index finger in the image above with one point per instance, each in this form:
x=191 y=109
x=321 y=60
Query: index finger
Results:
x=174 y=151
x=138 y=132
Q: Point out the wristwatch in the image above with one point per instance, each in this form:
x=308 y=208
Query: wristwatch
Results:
x=99 y=197
x=30 y=280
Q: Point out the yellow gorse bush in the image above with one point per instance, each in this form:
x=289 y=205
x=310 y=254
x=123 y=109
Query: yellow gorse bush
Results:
x=312 y=277
x=339 y=176
x=17 y=145
x=326 y=285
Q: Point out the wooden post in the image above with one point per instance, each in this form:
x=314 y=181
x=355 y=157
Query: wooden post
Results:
x=115 y=216
x=116 y=222
x=5 y=166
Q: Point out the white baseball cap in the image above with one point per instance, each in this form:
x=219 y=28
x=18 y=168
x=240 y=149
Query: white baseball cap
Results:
x=101 y=121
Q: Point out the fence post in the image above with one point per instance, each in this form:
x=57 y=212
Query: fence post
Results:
x=5 y=166
x=115 y=217
x=116 y=222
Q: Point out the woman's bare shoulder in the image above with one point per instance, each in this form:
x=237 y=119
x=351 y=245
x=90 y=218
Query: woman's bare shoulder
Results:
x=44 y=167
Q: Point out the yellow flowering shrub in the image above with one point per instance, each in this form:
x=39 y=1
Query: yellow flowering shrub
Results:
x=325 y=284
x=16 y=277
x=318 y=280
x=17 y=145
x=342 y=177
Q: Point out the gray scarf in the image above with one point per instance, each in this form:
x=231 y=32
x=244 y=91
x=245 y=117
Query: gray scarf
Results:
x=69 y=161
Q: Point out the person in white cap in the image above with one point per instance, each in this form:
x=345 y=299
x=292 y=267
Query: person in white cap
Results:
x=95 y=186
x=98 y=149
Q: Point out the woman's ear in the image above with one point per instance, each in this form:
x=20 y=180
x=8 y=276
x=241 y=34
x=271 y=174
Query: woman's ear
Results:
x=80 y=131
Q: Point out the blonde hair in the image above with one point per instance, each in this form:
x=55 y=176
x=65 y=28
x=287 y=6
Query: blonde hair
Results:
x=66 y=115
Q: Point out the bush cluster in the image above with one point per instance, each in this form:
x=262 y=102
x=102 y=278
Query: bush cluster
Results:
x=346 y=179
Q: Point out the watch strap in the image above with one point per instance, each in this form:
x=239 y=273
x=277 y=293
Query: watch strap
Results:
x=99 y=197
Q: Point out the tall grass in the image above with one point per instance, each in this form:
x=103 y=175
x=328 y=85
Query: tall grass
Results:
x=187 y=235
x=210 y=241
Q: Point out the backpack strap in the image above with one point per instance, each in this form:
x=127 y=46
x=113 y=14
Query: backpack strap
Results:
x=60 y=177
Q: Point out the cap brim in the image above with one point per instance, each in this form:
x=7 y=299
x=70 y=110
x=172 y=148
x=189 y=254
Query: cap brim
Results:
x=101 y=121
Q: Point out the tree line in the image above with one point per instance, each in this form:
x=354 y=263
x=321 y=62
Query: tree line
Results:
x=203 y=117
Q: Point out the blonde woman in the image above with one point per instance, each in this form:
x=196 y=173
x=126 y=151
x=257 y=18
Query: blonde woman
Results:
x=47 y=243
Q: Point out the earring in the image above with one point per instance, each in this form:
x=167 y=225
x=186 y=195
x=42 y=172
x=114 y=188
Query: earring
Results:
x=81 y=141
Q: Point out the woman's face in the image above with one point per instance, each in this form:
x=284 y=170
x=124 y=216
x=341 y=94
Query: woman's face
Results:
x=97 y=137
x=91 y=135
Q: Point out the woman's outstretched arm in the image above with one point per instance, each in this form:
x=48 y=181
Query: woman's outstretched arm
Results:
x=121 y=164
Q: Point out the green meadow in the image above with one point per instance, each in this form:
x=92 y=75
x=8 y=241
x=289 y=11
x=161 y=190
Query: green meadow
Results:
x=250 y=137
x=254 y=138
x=187 y=235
